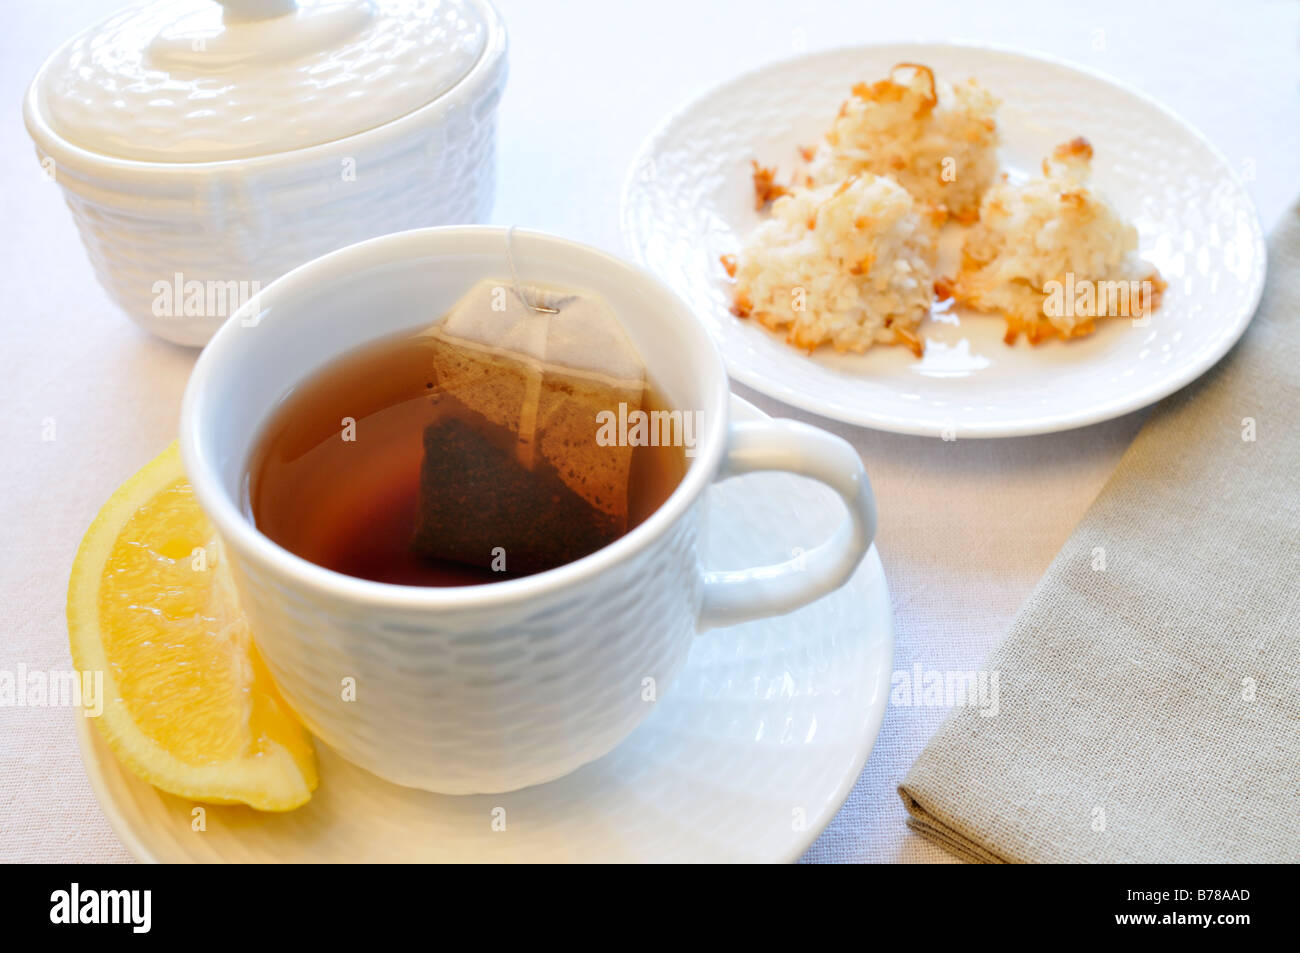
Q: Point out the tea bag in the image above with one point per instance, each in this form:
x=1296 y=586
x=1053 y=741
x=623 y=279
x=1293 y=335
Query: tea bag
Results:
x=514 y=474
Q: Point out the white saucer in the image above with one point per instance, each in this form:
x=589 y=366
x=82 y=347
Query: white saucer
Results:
x=689 y=200
x=748 y=756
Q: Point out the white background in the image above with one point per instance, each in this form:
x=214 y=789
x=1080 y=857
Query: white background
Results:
x=967 y=527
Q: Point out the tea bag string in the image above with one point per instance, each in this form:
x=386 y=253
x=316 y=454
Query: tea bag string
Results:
x=526 y=448
x=514 y=277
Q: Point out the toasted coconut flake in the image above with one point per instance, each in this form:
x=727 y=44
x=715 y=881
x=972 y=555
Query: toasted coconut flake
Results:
x=932 y=99
x=910 y=341
x=1078 y=147
x=766 y=188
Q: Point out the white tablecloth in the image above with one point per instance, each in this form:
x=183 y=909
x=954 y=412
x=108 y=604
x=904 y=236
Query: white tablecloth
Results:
x=966 y=527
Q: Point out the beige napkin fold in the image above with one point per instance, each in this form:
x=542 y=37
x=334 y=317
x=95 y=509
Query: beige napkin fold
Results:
x=1149 y=711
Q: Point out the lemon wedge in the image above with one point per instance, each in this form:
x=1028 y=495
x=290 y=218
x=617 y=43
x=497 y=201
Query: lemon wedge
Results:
x=187 y=703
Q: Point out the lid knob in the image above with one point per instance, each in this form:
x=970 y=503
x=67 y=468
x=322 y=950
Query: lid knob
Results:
x=237 y=11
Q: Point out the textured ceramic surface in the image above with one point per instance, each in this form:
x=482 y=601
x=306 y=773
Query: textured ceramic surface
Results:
x=180 y=81
x=745 y=758
x=469 y=702
x=688 y=200
x=493 y=687
x=226 y=228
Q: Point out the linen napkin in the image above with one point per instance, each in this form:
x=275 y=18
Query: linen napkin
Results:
x=1148 y=693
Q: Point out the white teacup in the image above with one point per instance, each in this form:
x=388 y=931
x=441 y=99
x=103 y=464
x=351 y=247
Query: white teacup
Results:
x=493 y=687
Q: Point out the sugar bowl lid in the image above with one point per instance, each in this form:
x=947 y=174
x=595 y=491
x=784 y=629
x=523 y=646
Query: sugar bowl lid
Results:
x=201 y=81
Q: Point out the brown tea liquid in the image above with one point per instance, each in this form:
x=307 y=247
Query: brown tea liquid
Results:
x=339 y=476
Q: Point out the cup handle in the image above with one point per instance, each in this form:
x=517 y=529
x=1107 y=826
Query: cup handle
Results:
x=732 y=596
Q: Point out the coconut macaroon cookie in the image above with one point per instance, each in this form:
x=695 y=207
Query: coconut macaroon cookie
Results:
x=938 y=141
x=1052 y=256
x=848 y=264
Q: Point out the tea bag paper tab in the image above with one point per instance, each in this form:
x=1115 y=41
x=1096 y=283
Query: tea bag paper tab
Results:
x=534 y=384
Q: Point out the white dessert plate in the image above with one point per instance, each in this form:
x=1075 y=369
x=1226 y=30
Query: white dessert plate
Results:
x=689 y=199
x=748 y=756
